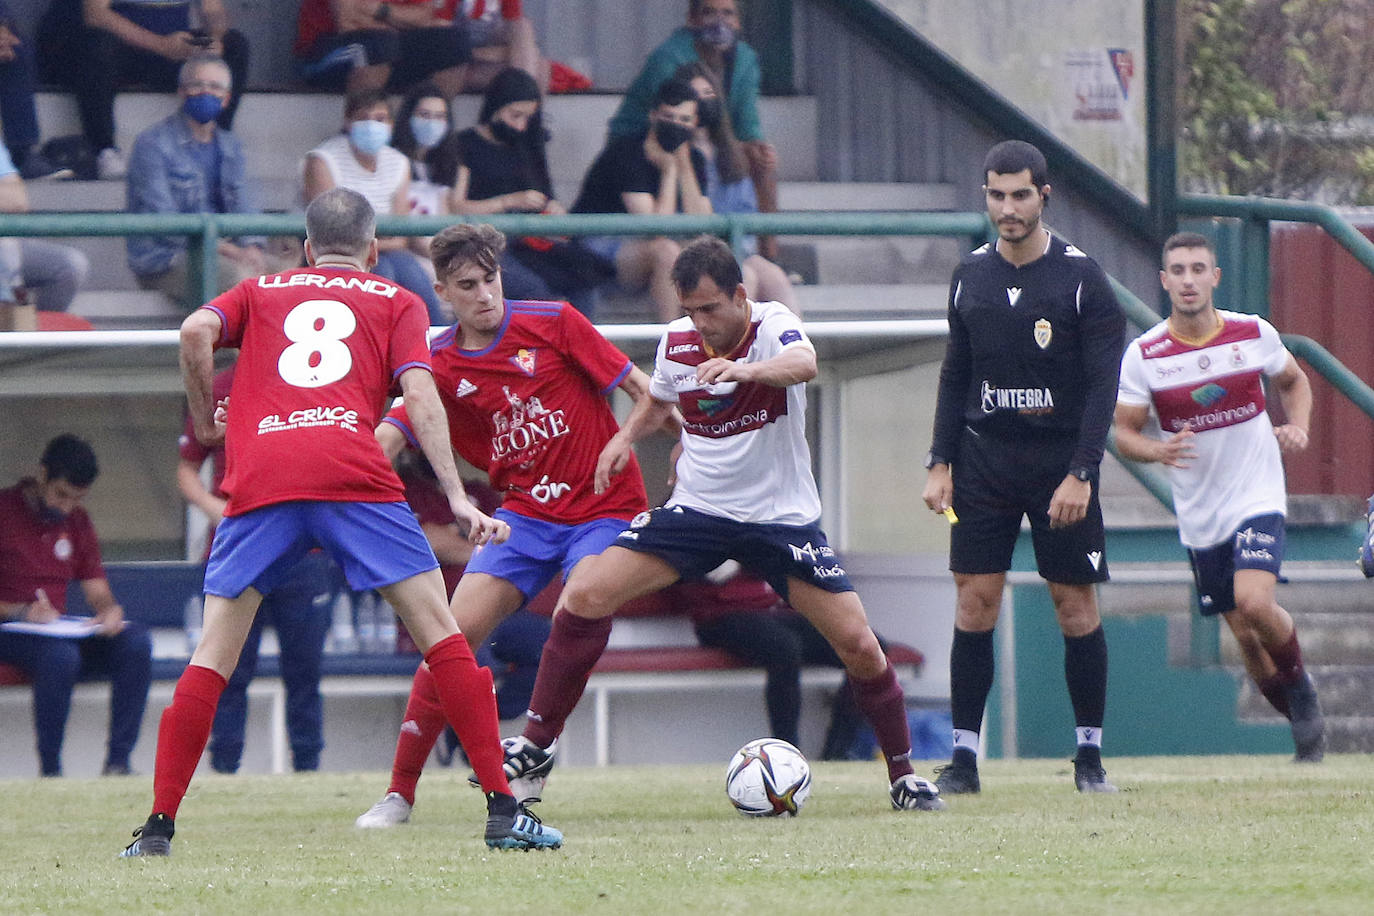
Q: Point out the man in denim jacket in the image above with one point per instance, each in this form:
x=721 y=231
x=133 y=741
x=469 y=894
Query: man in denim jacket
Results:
x=186 y=163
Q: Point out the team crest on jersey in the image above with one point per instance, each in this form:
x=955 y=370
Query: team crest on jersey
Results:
x=524 y=361
x=1013 y=294
x=62 y=549
x=1204 y=361
x=640 y=520
x=465 y=388
x=1237 y=356
x=1043 y=333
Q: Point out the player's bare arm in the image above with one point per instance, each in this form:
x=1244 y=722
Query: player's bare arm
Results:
x=391 y=439
x=790 y=367
x=199 y=332
x=636 y=385
x=1177 y=451
x=1295 y=394
x=430 y=425
x=648 y=414
x=939 y=489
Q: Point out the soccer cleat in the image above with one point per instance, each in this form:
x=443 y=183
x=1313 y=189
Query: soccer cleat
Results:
x=1367 y=548
x=957 y=778
x=154 y=838
x=510 y=825
x=1088 y=774
x=527 y=767
x=1308 y=724
x=912 y=793
x=392 y=811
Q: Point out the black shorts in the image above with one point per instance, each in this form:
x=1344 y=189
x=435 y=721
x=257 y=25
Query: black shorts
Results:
x=694 y=543
x=414 y=54
x=1257 y=544
x=996 y=482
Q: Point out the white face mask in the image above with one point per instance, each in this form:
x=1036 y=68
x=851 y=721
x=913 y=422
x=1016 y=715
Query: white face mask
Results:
x=427 y=131
x=369 y=136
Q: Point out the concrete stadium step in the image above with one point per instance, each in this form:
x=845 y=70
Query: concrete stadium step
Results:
x=278 y=128
x=862 y=195
x=859 y=260
x=128 y=309
x=872 y=301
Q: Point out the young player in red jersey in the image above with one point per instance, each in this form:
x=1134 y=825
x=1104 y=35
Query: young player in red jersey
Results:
x=525 y=387
x=320 y=348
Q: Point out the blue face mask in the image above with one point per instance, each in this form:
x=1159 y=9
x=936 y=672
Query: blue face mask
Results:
x=717 y=35
x=203 y=107
x=369 y=136
x=427 y=131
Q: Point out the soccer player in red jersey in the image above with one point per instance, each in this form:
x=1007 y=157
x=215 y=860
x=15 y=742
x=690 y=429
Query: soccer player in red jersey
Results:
x=525 y=387
x=320 y=349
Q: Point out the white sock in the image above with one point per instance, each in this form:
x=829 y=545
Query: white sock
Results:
x=968 y=740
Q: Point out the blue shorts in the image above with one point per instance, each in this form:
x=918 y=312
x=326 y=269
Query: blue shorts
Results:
x=537 y=550
x=375 y=544
x=1257 y=544
x=694 y=543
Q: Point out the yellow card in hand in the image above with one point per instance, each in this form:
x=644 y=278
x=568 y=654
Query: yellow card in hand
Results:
x=949 y=514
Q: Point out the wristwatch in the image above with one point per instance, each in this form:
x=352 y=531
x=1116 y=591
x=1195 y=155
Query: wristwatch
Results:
x=933 y=459
x=1082 y=473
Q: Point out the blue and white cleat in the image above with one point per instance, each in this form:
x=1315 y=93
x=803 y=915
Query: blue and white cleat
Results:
x=521 y=830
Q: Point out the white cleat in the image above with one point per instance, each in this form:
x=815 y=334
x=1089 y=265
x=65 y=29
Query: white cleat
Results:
x=391 y=811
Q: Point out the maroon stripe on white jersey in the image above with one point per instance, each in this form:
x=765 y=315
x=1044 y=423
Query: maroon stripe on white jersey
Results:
x=1221 y=402
x=750 y=406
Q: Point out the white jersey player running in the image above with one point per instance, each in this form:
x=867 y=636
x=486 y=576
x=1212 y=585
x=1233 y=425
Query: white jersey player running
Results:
x=1192 y=398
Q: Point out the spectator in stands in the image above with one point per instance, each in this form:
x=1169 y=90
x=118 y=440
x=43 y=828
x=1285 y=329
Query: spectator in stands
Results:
x=98 y=46
x=424 y=127
x=739 y=612
x=298 y=609
x=712 y=37
x=361 y=159
x=18 y=76
x=500 y=37
x=47 y=541
x=187 y=163
x=502 y=168
x=35 y=274
x=728 y=184
x=355 y=45
x=654 y=171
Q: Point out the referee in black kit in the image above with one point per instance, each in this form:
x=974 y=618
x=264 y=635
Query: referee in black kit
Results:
x=1026 y=396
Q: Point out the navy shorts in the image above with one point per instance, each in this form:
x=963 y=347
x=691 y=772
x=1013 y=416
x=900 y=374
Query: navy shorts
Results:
x=376 y=544
x=538 y=550
x=414 y=55
x=694 y=543
x=1257 y=544
x=996 y=483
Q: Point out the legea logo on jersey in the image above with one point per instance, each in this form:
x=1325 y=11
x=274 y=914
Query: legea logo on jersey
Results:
x=342 y=417
x=1208 y=394
x=679 y=349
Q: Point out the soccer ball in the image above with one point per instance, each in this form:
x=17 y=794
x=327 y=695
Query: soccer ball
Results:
x=768 y=777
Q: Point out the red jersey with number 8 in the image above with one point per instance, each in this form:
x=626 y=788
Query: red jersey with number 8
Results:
x=321 y=349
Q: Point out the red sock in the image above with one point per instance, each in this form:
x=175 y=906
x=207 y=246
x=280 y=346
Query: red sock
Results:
x=424 y=723
x=884 y=706
x=571 y=651
x=1272 y=689
x=1287 y=658
x=182 y=734
x=469 y=703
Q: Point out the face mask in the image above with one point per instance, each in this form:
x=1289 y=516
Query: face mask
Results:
x=670 y=136
x=717 y=35
x=203 y=107
x=709 y=112
x=505 y=133
x=50 y=516
x=369 y=136
x=427 y=131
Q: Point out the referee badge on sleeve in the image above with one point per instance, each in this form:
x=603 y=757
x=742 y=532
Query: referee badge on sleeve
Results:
x=1043 y=333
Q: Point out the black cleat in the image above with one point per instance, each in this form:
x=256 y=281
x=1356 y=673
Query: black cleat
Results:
x=1309 y=726
x=510 y=825
x=960 y=775
x=1088 y=774
x=154 y=838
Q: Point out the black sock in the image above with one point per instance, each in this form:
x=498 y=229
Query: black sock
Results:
x=1085 y=671
x=970 y=677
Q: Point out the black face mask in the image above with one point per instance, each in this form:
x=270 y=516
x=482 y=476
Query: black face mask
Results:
x=670 y=136
x=505 y=133
x=709 y=112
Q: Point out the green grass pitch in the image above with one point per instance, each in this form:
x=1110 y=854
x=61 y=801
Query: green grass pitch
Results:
x=1213 y=835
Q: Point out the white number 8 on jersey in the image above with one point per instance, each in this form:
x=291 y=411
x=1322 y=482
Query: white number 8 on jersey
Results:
x=317 y=355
